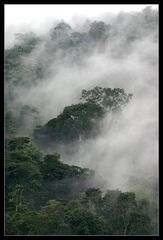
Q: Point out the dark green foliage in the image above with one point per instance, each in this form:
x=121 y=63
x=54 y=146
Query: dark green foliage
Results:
x=23 y=172
x=148 y=188
x=75 y=121
x=21 y=167
x=43 y=195
x=140 y=224
x=17 y=143
x=32 y=179
x=90 y=213
x=126 y=200
x=81 y=120
x=28 y=223
x=49 y=221
x=26 y=166
x=21 y=148
x=127 y=218
x=53 y=169
x=83 y=222
x=75 y=217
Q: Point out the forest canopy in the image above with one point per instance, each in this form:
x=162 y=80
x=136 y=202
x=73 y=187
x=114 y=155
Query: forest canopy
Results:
x=80 y=128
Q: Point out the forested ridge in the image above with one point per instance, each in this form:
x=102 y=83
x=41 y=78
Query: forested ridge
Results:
x=45 y=194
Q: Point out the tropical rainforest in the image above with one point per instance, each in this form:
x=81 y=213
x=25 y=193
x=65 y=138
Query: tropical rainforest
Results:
x=81 y=128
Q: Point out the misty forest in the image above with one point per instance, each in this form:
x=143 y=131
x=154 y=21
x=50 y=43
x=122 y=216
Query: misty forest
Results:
x=81 y=131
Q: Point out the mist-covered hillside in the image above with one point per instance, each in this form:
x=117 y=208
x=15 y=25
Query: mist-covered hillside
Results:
x=81 y=128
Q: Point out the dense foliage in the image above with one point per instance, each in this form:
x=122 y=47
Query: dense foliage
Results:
x=90 y=213
x=81 y=120
x=40 y=198
x=75 y=121
x=43 y=194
